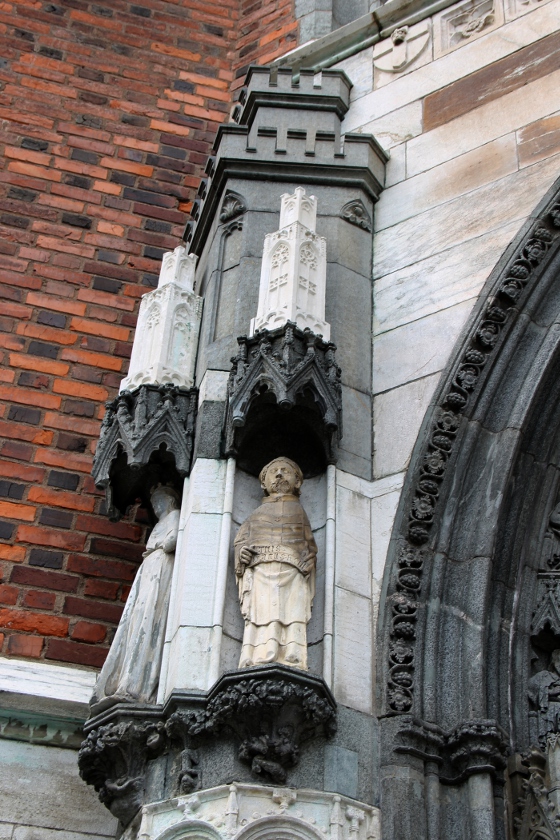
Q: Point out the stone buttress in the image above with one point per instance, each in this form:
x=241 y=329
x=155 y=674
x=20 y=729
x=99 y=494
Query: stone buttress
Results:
x=256 y=344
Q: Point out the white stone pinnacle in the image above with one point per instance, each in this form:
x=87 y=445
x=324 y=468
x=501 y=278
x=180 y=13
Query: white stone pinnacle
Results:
x=294 y=270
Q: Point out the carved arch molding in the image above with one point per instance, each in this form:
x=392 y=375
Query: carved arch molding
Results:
x=468 y=606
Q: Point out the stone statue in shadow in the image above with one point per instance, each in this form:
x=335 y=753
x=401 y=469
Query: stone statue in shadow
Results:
x=544 y=698
x=132 y=668
x=275 y=558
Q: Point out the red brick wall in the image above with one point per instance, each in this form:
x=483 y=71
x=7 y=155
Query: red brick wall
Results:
x=107 y=112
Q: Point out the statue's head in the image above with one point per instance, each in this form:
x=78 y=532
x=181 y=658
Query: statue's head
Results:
x=555 y=660
x=280 y=477
x=164 y=499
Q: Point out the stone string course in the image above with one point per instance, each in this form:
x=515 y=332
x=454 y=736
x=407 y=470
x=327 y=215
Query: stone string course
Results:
x=108 y=111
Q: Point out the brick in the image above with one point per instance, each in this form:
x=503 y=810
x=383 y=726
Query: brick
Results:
x=6 y=530
x=11 y=490
x=91 y=609
x=19 y=395
x=35 y=535
x=72 y=424
x=46 y=625
x=21 y=471
x=58 y=498
x=11 y=510
x=14 y=553
x=46 y=333
x=8 y=594
x=15 y=430
x=94 y=359
x=98 y=525
x=46 y=559
x=80 y=654
x=55 y=459
x=55 y=518
x=19 y=451
x=95 y=328
x=26 y=576
x=39 y=600
x=19 y=360
x=24 y=415
x=95 y=567
x=101 y=589
x=71 y=443
x=85 y=631
x=63 y=480
x=25 y=645
x=48 y=302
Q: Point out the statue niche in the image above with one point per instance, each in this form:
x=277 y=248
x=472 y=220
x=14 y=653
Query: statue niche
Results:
x=275 y=558
x=131 y=670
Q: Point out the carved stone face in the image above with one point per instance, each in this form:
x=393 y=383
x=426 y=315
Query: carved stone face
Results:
x=555 y=661
x=163 y=501
x=281 y=477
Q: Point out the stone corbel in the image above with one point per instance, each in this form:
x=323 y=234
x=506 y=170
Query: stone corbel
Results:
x=113 y=759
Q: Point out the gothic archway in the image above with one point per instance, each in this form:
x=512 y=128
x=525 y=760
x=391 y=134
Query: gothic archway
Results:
x=462 y=570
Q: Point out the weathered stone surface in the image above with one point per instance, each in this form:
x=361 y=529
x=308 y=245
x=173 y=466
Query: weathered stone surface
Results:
x=447 y=278
x=511 y=112
x=526 y=65
x=446 y=182
x=417 y=349
x=398 y=416
x=539 y=140
x=353 y=651
x=30 y=803
x=460 y=219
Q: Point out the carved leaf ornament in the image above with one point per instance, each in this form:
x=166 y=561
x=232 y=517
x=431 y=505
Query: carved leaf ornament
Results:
x=413 y=554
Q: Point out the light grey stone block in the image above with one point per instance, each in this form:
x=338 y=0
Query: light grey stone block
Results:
x=341 y=771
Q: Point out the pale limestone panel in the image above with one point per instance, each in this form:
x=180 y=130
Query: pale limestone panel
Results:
x=206 y=486
x=398 y=415
x=6 y=830
x=456 y=177
x=354 y=483
x=497 y=44
x=196 y=587
x=494 y=119
x=189 y=665
x=213 y=385
x=515 y=8
x=40 y=787
x=353 y=650
x=359 y=68
x=395 y=169
x=383 y=508
x=511 y=198
x=445 y=279
x=353 y=540
x=392 y=128
x=417 y=349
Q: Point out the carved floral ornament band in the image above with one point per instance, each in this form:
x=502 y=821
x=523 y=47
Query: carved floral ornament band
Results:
x=464 y=383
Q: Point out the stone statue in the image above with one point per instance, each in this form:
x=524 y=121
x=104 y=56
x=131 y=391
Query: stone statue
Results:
x=544 y=694
x=131 y=670
x=275 y=556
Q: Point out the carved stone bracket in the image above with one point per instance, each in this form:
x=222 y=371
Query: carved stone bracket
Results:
x=271 y=710
x=266 y=713
x=533 y=798
x=113 y=759
x=355 y=212
x=476 y=746
x=285 y=363
x=137 y=425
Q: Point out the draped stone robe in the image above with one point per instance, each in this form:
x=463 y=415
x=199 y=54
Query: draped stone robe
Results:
x=276 y=588
x=132 y=668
